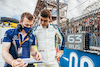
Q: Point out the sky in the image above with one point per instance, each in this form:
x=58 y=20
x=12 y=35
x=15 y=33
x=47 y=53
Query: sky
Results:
x=14 y=8
x=74 y=10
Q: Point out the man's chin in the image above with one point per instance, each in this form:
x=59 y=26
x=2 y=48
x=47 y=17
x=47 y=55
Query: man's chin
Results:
x=43 y=25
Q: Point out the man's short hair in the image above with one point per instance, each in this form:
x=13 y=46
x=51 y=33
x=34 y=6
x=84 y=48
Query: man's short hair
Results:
x=27 y=15
x=45 y=13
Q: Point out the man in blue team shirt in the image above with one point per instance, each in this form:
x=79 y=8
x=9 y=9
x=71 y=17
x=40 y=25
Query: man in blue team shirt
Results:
x=24 y=41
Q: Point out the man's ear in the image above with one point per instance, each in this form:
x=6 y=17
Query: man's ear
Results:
x=49 y=20
x=20 y=22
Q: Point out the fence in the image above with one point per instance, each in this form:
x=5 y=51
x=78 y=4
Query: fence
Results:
x=88 y=24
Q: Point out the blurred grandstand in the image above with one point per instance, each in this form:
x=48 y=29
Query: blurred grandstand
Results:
x=8 y=22
x=89 y=22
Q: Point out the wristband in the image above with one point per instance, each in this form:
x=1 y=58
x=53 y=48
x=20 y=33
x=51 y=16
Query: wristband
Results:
x=13 y=63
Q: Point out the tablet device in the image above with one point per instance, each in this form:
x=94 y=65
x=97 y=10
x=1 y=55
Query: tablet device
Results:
x=30 y=60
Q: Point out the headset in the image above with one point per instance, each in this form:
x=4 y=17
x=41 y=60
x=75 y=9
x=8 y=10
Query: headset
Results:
x=20 y=28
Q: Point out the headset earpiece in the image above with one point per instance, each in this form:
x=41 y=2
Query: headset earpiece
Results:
x=19 y=27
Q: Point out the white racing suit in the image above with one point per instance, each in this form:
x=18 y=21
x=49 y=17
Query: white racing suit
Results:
x=46 y=43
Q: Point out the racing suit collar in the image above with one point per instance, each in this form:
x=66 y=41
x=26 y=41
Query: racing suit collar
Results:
x=45 y=26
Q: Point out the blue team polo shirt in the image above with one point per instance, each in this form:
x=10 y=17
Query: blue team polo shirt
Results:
x=12 y=34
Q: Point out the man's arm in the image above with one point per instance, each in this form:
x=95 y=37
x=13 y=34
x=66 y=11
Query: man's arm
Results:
x=8 y=57
x=6 y=46
x=62 y=38
x=5 y=53
x=5 y=50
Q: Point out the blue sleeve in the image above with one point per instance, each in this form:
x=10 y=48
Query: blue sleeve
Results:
x=63 y=39
x=60 y=34
x=7 y=36
x=33 y=40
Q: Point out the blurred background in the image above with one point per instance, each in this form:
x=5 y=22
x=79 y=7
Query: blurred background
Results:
x=73 y=16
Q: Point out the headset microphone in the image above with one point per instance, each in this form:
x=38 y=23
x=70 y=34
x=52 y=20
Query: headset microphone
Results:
x=29 y=31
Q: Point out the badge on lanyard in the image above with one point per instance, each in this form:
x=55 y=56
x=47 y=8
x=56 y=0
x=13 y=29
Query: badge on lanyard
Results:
x=20 y=51
x=20 y=48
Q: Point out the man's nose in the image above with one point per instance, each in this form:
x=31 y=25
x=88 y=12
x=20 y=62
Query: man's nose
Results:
x=29 y=26
x=42 y=22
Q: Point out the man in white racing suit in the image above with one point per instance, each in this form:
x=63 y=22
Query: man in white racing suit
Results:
x=45 y=34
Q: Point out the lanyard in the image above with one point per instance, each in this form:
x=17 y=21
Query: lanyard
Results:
x=23 y=41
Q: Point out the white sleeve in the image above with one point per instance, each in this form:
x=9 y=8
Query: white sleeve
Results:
x=34 y=31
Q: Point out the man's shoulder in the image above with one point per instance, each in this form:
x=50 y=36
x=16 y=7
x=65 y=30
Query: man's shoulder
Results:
x=54 y=26
x=9 y=34
x=10 y=31
x=36 y=27
x=31 y=35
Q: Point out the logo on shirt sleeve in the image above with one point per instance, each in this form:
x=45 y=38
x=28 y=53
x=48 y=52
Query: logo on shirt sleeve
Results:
x=5 y=35
x=15 y=37
x=31 y=35
x=31 y=40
